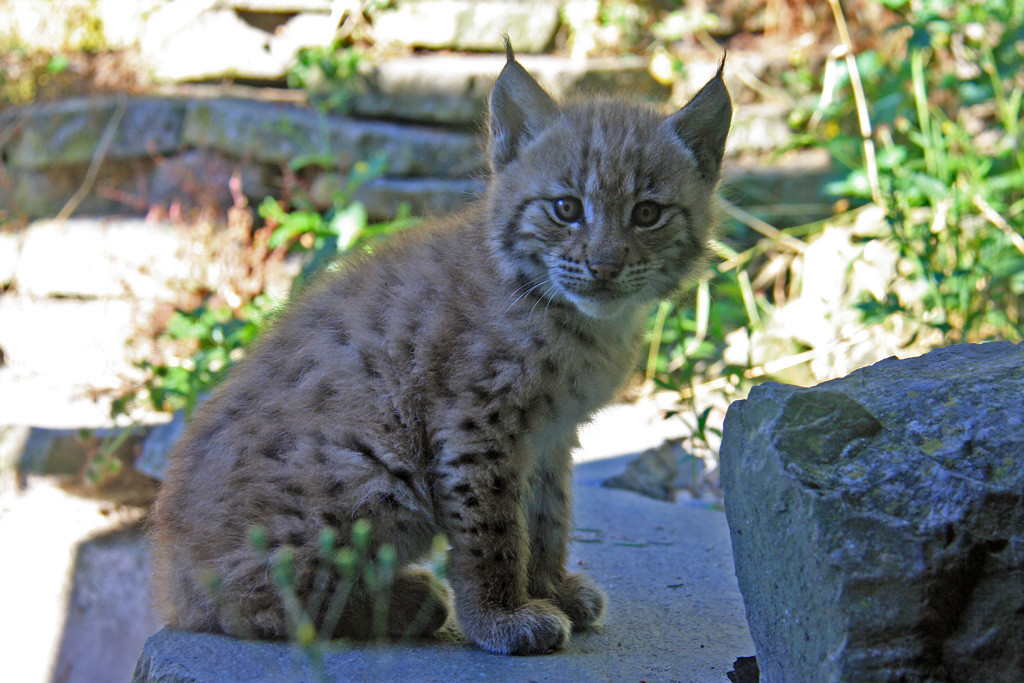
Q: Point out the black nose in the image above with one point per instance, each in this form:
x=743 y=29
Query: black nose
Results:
x=601 y=270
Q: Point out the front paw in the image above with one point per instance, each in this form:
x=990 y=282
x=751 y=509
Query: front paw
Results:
x=535 y=628
x=581 y=600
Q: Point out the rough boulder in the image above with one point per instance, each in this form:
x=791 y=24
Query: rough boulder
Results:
x=877 y=520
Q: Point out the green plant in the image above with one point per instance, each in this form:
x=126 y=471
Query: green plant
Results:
x=687 y=341
x=689 y=350
x=947 y=100
x=343 y=227
x=328 y=74
x=104 y=461
x=25 y=70
x=216 y=335
x=313 y=611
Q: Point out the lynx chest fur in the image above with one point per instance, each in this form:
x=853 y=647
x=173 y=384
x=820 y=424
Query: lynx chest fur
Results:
x=436 y=386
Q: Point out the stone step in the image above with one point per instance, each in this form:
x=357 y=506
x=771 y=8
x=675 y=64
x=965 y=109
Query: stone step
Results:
x=168 y=149
x=68 y=133
x=62 y=353
x=674 y=614
x=65 y=456
x=258 y=41
x=453 y=89
x=469 y=24
x=100 y=258
x=75 y=585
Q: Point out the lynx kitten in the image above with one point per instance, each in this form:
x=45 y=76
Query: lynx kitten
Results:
x=437 y=385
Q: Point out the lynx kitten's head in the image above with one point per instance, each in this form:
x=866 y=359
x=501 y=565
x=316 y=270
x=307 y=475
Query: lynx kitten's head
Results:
x=602 y=204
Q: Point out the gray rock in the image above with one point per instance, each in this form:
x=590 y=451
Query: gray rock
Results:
x=468 y=24
x=650 y=474
x=68 y=132
x=453 y=90
x=156 y=448
x=276 y=133
x=877 y=520
x=660 y=472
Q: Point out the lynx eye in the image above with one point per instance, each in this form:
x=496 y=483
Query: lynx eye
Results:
x=567 y=209
x=646 y=214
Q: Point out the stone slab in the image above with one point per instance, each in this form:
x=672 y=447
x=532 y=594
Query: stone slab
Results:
x=99 y=258
x=68 y=132
x=454 y=89
x=674 y=613
x=277 y=133
x=468 y=24
x=196 y=41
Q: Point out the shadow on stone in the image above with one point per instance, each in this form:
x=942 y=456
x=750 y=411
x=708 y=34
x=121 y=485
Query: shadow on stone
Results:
x=110 y=613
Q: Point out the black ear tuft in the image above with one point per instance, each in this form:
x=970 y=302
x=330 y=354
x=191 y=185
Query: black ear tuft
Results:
x=520 y=110
x=510 y=56
x=703 y=124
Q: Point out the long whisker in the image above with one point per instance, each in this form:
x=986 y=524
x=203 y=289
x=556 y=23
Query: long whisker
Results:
x=546 y=295
x=526 y=285
x=532 y=286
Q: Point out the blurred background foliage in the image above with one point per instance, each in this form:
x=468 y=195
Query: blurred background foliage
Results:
x=923 y=111
x=918 y=103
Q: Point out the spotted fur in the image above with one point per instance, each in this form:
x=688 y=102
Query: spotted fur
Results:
x=437 y=385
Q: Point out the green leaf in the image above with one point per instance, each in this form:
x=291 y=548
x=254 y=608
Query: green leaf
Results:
x=295 y=224
x=57 y=63
x=933 y=188
x=314 y=159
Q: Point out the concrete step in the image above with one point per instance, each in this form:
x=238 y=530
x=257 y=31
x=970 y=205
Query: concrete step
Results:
x=675 y=614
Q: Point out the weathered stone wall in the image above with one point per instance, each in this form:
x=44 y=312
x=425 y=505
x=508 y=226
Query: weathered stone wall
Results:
x=422 y=115
x=186 y=147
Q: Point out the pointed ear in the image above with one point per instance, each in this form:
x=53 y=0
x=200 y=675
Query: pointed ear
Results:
x=703 y=124
x=520 y=110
